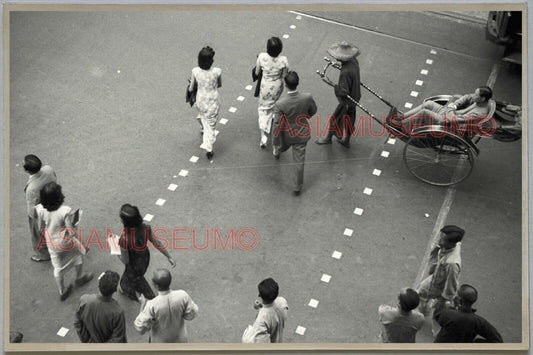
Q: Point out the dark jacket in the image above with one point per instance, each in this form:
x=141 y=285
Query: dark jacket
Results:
x=349 y=83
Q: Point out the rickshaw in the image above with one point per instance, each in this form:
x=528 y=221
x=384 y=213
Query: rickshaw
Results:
x=437 y=154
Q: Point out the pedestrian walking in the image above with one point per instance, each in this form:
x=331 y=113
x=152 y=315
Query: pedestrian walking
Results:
x=165 y=315
x=206 y=80
x=444 y=270
x=341 y=124
x=460 y=324
x=291 y=126
x=134 y=253
x=99 y=318
x=400 y=324
x=272 y=67
x=66 y=251
x=270 y=321
x=39 y=176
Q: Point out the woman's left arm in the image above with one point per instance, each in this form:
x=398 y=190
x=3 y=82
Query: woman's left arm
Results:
x=192 y=82
x=219 y=80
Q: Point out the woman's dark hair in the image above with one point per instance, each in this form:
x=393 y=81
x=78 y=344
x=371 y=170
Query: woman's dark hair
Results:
x=130 y=216
x=32 y=164
x=51 y=196
x=274 y=46
x=205 y=58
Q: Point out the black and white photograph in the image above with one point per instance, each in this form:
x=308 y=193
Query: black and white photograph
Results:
x=317 y=176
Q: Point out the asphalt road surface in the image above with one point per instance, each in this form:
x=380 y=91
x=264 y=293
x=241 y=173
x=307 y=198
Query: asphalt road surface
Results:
x=100 y=97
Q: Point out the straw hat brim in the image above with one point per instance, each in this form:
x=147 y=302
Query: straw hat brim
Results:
x=343 y=51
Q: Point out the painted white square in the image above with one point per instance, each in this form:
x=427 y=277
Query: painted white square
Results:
x=408 y=105
x=336 y=254
x=419 y=83
x=223 y=121
x=433 y=51
x=193 y=159
x=348 y=232
x=385 y=154
x=300 y=330
x=414 y=93
x=391 y=140
x=62 y=331
x=148 y=217
x=160 y=202
x=427 y=215
x=299 y=18
x=358 y=211
x=292 y=27
x=285 y=36
x=376 y=172
x=367 y=191
x=183 y=173
x=429 y=61
x=248 y=87
x=325 y=278
x=313 y=303
x=232 y=109
x=240 y=98
x=172 y=187
x=216 y=132
x=424 y=72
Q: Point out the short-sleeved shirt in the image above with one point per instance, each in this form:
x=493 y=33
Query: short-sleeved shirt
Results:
x=399 y=326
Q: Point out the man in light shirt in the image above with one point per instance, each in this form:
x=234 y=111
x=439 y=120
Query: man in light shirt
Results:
x=400 y=324
x=164 y=316
x=270 y=321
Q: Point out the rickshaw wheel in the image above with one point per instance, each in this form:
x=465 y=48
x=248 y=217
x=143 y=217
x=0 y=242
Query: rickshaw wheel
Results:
x=439 y=159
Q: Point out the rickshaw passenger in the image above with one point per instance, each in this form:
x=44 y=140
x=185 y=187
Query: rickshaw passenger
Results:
x=469 y=107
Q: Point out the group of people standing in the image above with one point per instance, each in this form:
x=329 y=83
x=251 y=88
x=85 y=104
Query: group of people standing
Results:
x=440 y=297
x=284 y=118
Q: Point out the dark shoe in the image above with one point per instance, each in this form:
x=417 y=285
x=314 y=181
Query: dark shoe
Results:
x=275 y=152
x=323 y=141
x=15 y=337
x=296 y=193
x=84 y=279
x=262 y=145
x=65 y=294
x=344 y=142
x=209 y=155
x=37 y=258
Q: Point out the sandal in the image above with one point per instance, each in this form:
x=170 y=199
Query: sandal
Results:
x=37 y=258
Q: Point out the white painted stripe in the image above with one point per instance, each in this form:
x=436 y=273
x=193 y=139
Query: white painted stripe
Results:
x=292 y=27
x=300 y=330
x=429 y=61
x=240 y=98
x=285 y=36
x=325 y=278
x=172 y=187
x=148 y=217
x=424 y=72
x=385 y=154
x=232 y=109
x=223 y=121
x=216 y=132
x=193 y=159
x=336 y=255
x=408 y=105
x=367 y=191
x=348 y=232
x=248 y=87
x=414 y=93
x=433 y=51
x=358 y=211
x=313 y=303
x=376 y=172
x=160 y=202
x=419 y=82
x=62 y=331
x=183 y=173
x=391 y=141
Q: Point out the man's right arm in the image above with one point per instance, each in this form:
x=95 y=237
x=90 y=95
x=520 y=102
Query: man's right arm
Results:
x=82 y=331
x=461 y=102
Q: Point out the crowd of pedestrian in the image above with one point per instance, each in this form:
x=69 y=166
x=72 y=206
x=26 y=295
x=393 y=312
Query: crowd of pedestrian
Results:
x=99 y=318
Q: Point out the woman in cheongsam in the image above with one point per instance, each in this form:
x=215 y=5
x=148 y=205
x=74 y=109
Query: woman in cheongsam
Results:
x=208 y=80
x=274 y=67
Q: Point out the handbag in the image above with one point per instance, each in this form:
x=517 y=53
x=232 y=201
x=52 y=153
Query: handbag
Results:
x=190 y=96
x=257 y=77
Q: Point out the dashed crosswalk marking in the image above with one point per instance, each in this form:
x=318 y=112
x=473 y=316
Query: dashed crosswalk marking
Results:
x=358 y=211
x=148 y=217
x=408 y=105
x=193 y=159
x=232 y=109
x=429 y=61
x=62 y=331
x=298 y=17
x=313 y=303
x=336 y=255
x=172 y=187
x=248 y=87
x=376 y=172
x=160 y=202
x=424 y=72
x=223 y=121
x=300 y=330
x=367 y=191
x=414 y=93
x=391 y=141
x=348 y=232
x=385 y=154
x=285 y=36
x=433 y=51
x=240 y=98
x=419 y=83
x=325 y=278
x=183 y=173
x=292 y=27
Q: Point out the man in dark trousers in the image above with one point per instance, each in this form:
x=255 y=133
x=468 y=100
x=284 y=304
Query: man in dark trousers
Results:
x=99 y=318
x=39 y=176
x=342 y=123
x=460 y=324
x=292 y=112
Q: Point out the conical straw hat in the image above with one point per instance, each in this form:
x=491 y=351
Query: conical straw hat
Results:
x=343 y=51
